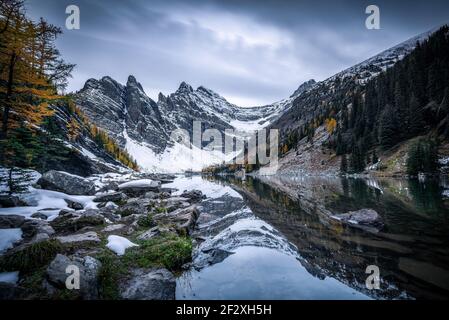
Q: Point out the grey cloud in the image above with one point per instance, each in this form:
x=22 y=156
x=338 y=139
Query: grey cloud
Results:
x=251 y=52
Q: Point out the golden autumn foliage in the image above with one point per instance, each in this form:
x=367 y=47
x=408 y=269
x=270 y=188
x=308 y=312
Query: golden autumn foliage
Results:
x=30 y=68
x=331 y=125
x=73 y=130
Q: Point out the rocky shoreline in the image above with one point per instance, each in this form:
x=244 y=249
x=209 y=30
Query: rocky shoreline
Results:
x=128 y=237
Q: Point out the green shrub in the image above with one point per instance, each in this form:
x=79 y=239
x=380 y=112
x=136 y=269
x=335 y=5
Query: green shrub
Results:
x=110 y=272
x=31 y=257
x=125 y=212
x=168 y=250
x=146 y=221
x=161 y=210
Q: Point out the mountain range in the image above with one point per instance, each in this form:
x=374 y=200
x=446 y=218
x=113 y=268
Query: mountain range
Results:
x=143 y=126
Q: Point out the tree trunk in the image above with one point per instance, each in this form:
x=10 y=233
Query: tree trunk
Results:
x=10 y=182
x=4 y=132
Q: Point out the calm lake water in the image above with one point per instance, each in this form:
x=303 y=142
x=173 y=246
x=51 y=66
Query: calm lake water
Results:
x=273 y=239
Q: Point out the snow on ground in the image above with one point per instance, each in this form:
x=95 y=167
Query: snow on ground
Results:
x=119 y=244
x=210 y=189
x=9 y=277
x=142 y=183
x=46 y=199
x=445 y=193
x=8 y=237
x=176 y=159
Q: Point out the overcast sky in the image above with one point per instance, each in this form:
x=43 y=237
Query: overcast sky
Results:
x=251 y=52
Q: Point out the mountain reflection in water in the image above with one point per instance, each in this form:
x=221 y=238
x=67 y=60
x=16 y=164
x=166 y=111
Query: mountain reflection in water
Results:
x=272 y=238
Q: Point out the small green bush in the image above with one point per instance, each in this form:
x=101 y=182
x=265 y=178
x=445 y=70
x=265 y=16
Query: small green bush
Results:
x=161 y=210
x=31 y=257
x=146 y=221
x=168 y=250
x=125 y=212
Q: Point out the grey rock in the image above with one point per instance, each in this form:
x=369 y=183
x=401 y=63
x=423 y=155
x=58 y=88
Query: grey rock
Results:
x=40 y=237
x=82 y=237
x=39 y=215
x=32 y=227
x=9 y=221
x=88 y=267
x=67 y=183
x=154 y=232
x=193 y=195
x=136 y=190
x=116 y=196
x=151 y=195
x=10 y=201
x=70 y=221
x=152 y=284
x=184 y=219
x=114 y=227
x=74 y=205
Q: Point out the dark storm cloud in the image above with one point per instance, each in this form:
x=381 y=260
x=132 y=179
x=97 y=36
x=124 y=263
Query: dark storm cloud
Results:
x=251 y=52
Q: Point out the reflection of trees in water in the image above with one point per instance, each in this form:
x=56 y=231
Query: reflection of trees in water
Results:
x=426 y=195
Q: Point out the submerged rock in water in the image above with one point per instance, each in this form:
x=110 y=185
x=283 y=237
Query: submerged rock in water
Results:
x=152 y=284
x=363 y=217
x=67 y=183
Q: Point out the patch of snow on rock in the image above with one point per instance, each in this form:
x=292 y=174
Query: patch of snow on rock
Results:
x=119 y=244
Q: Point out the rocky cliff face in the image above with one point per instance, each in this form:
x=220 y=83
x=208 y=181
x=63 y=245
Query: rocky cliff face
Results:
x=144 y=126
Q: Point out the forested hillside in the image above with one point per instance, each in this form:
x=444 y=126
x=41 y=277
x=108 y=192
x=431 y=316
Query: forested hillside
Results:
x=40 y=127
x=408 y=100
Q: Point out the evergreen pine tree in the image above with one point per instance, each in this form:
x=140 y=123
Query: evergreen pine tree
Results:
x=344 y=164
x=389 y=133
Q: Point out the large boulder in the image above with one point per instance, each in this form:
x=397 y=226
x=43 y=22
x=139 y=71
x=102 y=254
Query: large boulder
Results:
x=152 y=284
x=139 y=187
x=67 y=183
x=88 y=270
x=9 y=221
x=10 y=201
x=183 y=219
x=70 y=221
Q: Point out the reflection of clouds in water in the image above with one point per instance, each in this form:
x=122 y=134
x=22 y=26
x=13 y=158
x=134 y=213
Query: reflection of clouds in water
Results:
x=210 y=189
x=260 y=273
